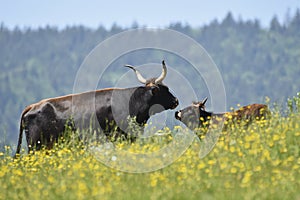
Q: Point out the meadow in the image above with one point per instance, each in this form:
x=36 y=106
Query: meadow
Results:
x=258 y=162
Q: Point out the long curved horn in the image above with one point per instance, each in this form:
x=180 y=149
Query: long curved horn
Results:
x=163 y=74
x=138 y=74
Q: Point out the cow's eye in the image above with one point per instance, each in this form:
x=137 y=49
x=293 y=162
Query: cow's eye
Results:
x=155 y=90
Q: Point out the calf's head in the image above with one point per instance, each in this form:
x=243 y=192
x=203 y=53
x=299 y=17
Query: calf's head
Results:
x=194 y=115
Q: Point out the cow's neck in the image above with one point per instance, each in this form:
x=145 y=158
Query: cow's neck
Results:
x=139 y=106
x=210 y=117
x=205 y=115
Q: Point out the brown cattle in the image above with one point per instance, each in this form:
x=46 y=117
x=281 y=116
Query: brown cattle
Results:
x=195 y=116
x=110 y=108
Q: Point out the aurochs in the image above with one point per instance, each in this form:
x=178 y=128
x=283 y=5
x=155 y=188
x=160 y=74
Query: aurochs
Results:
x=195 y=115
x=45 y=121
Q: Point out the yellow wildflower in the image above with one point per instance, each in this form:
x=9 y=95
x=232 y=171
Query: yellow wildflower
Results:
x=257 y=168
x=201 y=165
x=233 y=170
x=247 y=177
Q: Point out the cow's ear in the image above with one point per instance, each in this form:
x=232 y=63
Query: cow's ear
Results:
x=154 y=90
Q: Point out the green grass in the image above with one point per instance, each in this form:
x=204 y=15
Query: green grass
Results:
x=260 y=162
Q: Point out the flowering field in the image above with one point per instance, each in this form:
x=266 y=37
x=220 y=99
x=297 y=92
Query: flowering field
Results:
x=258 y=162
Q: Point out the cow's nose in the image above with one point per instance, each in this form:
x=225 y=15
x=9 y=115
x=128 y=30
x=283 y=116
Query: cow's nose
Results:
x=176 y=102
x=178 y=115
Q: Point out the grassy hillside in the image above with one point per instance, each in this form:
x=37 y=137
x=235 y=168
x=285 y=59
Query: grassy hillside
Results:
x=260 y=162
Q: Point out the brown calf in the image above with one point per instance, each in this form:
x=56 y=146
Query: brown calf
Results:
x=195 y=116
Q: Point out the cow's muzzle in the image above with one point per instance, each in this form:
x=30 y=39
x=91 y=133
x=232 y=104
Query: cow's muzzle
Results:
x=178 y=115
x=175 y=104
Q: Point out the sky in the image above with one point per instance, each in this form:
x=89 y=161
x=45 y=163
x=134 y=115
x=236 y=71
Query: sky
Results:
x=151 y=13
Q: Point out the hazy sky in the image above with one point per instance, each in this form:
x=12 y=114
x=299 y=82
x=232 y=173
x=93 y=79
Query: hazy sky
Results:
x=153 y=13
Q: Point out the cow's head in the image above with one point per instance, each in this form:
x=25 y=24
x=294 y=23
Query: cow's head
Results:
x=154 y=92
x=194 y=115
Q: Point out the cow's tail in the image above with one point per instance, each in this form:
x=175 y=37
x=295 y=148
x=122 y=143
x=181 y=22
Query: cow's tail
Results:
x=21 y=130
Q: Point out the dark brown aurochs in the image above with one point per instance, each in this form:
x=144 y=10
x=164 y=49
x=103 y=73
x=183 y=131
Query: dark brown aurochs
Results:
x=45 y=121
